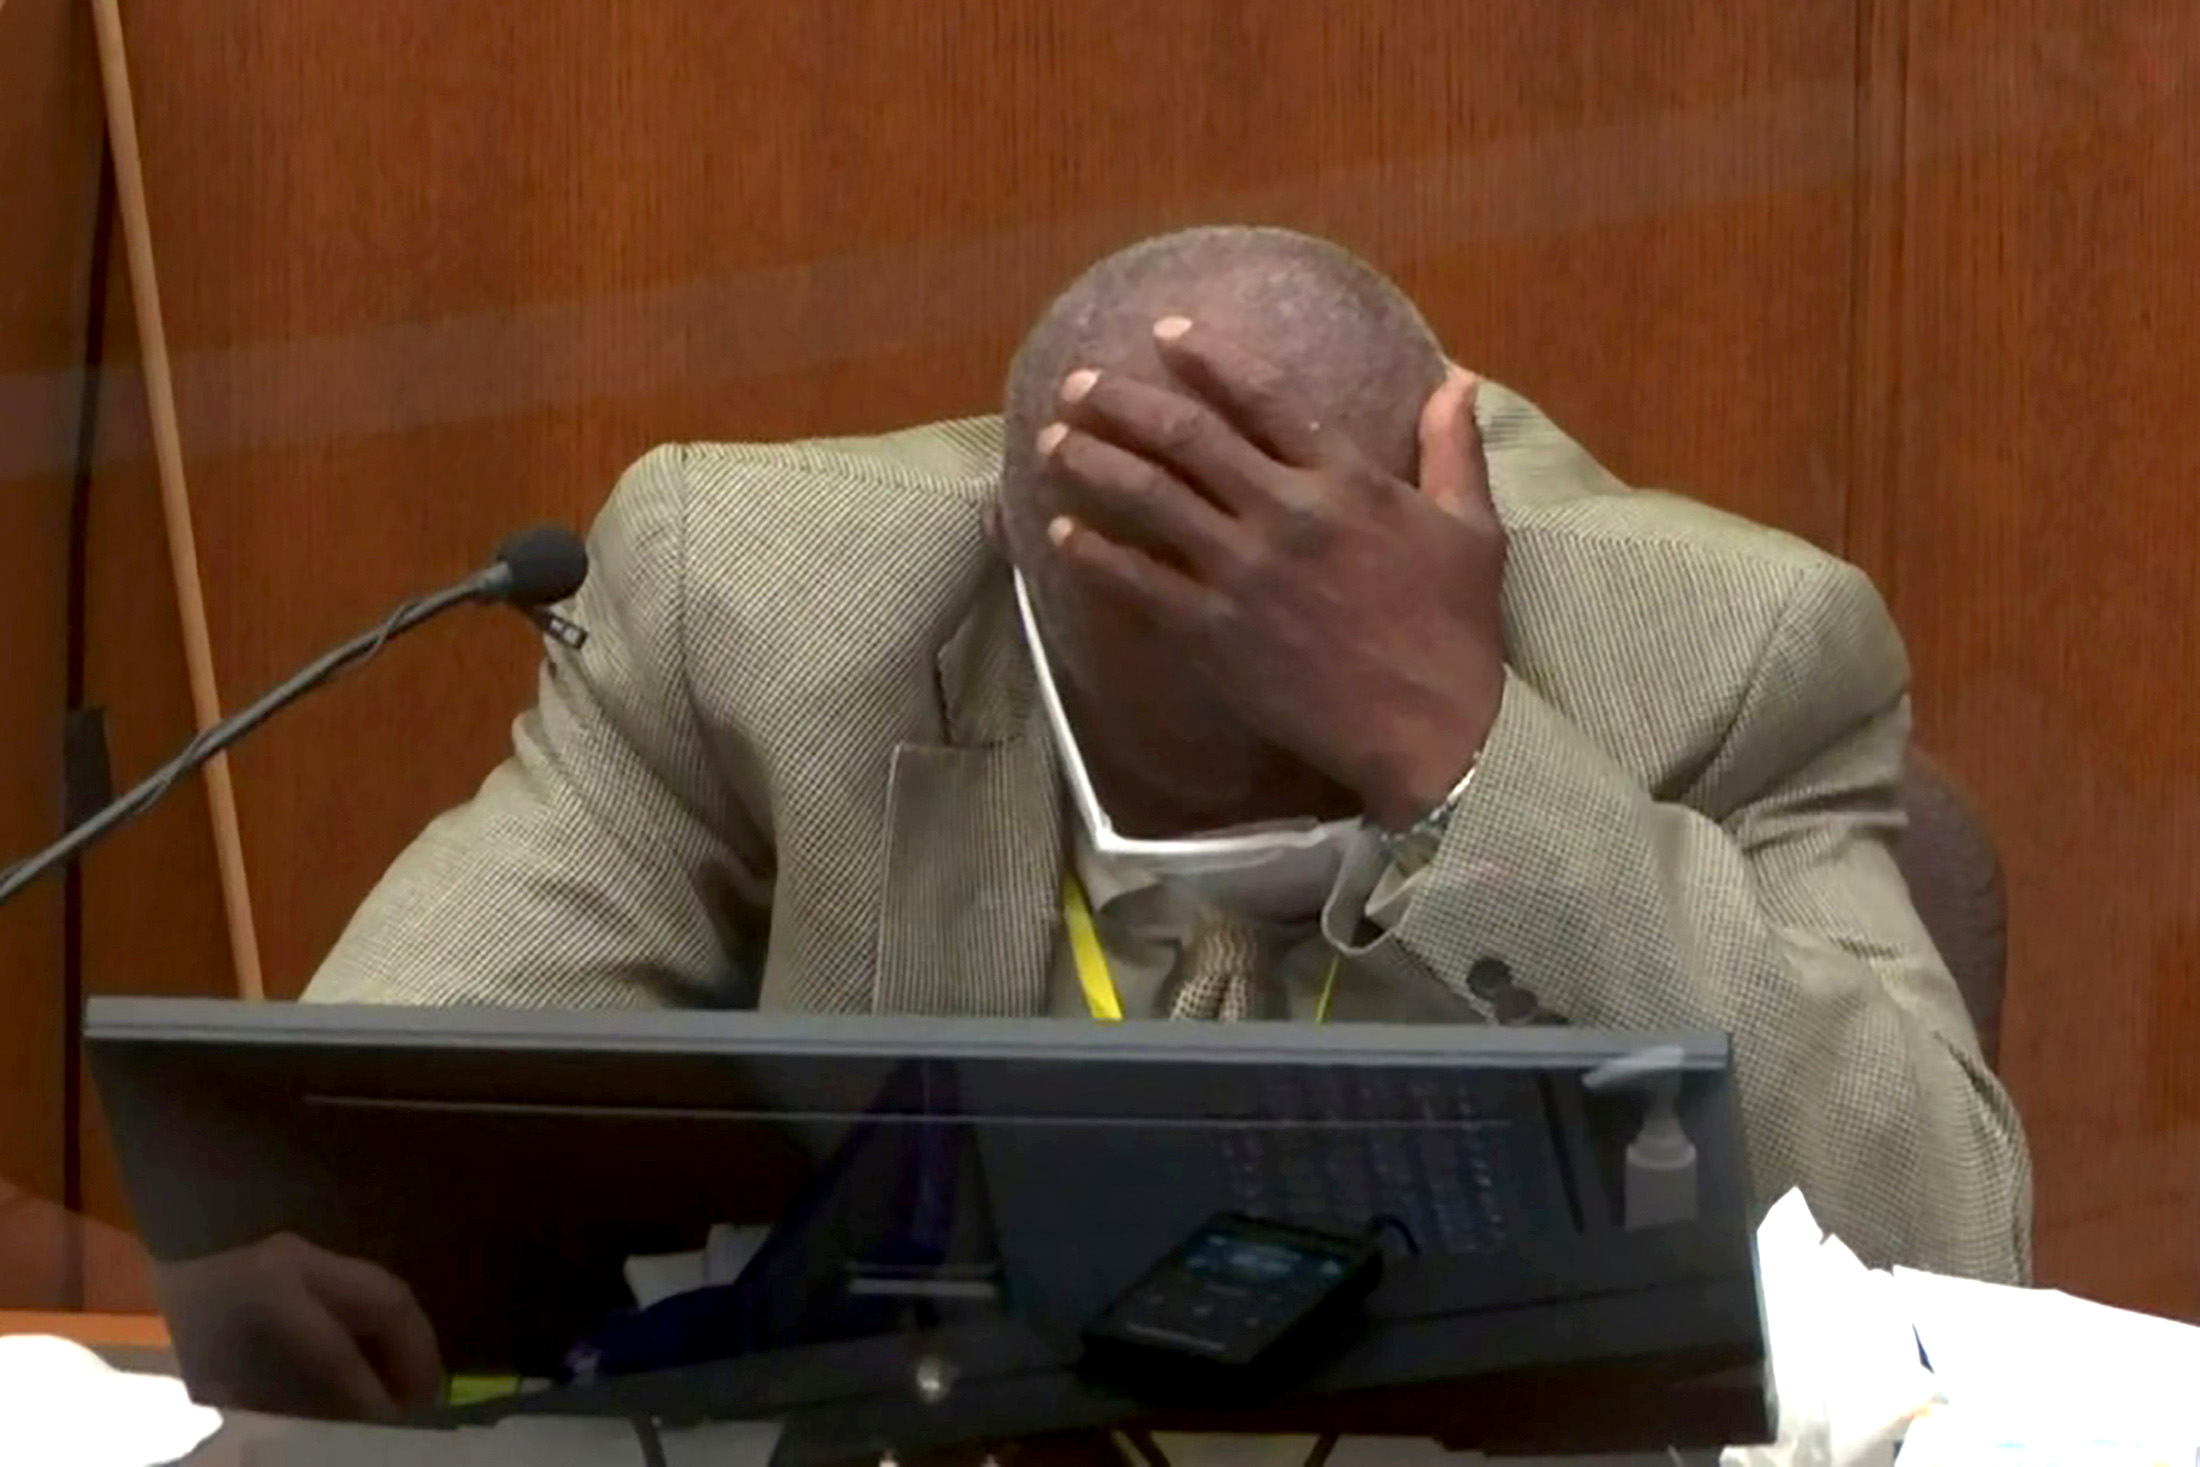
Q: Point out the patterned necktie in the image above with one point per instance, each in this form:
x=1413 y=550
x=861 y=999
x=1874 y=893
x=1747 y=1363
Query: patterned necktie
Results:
x=1216 y=975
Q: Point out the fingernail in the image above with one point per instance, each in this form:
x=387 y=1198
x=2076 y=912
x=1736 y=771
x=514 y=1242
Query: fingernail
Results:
x=1169 y=328
x=1078 y=383
x=1050 y=438
x=1059 y=528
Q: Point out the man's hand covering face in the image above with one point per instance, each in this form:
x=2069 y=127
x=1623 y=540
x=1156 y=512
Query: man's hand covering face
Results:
x=1349 y=616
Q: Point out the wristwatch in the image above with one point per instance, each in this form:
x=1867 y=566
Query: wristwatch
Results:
x=1415 y=846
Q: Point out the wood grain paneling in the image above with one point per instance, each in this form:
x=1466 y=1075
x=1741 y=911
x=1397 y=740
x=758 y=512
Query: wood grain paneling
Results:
x=2040 y=539
x=152 y=901
x=432 y=270
x=49 y=180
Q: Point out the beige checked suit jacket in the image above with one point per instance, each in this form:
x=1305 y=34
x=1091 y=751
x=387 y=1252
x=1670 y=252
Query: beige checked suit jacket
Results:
x=803 y=743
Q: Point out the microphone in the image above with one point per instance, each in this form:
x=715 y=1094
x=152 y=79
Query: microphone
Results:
x=532 y=569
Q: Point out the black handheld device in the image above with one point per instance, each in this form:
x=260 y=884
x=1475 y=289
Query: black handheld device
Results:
x=1234 y=1307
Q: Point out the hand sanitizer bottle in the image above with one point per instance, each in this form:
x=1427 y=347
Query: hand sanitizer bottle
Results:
x=1660 y=1183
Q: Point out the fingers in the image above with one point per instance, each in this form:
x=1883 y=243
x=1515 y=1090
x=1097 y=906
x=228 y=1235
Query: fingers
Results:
x=284 y=1326
x=1123 y=491
x=1259 y=398
x=334 y=1373
x=1128 y=574
x=380 y=1313
x=1454 y=469
x=1172 y=429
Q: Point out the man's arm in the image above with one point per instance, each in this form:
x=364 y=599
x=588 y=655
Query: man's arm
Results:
x=1787 y=924
x=1355 y=619
x=608 y=862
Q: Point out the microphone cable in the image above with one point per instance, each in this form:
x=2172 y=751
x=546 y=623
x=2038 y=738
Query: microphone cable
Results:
x=533 y=569
x=211 y=741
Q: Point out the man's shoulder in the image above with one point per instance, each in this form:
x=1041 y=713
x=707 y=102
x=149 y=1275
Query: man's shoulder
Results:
x=1663 y=624
x=1654 y=524
x=1568 y=516
x=950 y=463
x=810 y=521
x=1650 y=567
x=816 y=564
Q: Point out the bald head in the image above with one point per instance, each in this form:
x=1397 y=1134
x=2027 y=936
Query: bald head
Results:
x=1349 y=336
x=1167 y=751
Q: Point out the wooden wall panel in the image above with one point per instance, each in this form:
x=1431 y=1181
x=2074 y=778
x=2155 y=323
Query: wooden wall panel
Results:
x=433 y=270
x=49 y=177
x=2040 y=535
x=153 y=915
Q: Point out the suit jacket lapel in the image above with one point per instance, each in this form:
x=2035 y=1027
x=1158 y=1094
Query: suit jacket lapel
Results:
x=972 y=905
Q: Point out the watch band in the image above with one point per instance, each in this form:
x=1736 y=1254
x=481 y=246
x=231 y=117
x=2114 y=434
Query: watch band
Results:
x=1415 y=846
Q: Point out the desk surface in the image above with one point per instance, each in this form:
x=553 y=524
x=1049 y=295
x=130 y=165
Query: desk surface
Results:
x=94 y=1331
x=137 y=1341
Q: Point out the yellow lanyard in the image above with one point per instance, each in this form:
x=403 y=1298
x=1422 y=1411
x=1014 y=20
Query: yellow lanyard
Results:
x=1093 y=977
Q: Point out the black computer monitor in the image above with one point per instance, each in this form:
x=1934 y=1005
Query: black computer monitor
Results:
x=940 y=1208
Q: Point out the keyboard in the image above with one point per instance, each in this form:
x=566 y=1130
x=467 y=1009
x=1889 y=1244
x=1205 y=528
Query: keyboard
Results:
x=1345 y=1151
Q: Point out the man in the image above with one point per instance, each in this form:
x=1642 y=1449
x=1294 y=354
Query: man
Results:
x=1352 y=721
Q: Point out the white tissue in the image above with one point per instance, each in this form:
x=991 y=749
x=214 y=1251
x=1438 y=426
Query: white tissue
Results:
x=654 y=1277
x=60 y=1403
x=1956 y=1436
x=2040 y=1375
x=727 y=1249
x=1844 y=1359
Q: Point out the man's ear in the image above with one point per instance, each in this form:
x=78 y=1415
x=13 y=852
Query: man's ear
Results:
x=996 y=533
x=1454 y=470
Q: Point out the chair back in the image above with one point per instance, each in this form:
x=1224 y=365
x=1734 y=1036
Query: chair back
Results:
x=1947 y=855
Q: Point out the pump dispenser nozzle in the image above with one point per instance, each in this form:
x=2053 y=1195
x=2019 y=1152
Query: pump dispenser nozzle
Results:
x=1661 y=1160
